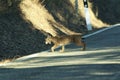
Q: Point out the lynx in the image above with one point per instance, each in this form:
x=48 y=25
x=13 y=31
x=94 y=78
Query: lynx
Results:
x=64 y=40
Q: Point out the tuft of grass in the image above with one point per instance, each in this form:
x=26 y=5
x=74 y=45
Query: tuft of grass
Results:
x=7 y=60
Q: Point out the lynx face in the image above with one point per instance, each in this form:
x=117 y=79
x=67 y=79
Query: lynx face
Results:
x=48 y=40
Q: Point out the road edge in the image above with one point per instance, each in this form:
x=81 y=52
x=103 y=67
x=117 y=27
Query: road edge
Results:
x=101 y=30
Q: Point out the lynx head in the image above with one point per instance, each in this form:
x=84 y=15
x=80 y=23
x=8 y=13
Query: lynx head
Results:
x=48 y=40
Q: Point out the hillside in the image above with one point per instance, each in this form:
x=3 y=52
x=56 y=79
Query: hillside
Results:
x=24 y=23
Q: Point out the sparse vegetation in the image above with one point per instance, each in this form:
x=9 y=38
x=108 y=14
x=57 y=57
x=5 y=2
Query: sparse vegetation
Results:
x=21 y=37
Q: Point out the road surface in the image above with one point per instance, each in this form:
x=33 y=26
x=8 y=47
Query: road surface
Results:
x=101 y=61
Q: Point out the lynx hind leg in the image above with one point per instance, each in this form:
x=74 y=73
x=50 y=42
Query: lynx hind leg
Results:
x=63 y=48
x=81 y=43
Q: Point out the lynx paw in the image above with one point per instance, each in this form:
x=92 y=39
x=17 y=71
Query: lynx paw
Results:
x=82 y=49
x=61 y=51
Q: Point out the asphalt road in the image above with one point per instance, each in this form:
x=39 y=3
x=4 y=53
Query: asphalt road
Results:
x=101 y=61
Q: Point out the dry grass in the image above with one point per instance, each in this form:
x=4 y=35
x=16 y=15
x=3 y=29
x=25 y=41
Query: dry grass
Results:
x=37 y=15
x=7 y=60
x=97 y=23
x=40 y=18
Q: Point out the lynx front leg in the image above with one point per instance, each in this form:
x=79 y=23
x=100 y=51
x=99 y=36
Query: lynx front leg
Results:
x=63 y=48
x=53 y=48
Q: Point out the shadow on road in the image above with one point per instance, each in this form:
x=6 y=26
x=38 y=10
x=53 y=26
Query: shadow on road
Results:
x=70 y=72
x=80 y=71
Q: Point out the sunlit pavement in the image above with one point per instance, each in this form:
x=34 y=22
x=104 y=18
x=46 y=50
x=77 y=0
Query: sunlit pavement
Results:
x=100 y=61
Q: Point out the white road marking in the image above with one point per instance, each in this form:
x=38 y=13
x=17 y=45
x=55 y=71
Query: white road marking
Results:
x=99 y=31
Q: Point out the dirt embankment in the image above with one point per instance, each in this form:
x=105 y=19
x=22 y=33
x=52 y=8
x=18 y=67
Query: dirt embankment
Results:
x=18 y=37
x=107 y=10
